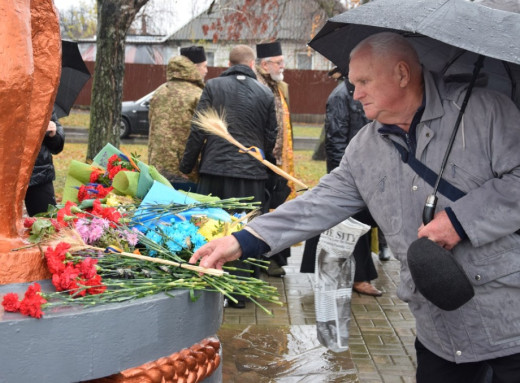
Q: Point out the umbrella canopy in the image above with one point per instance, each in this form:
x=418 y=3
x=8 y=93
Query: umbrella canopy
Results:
x=74 y=75
x=447 y=34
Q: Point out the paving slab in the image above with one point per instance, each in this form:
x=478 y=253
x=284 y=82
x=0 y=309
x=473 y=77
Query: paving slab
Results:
x=284 y=348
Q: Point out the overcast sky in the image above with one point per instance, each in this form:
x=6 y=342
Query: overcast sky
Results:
x=185 y=10
x=187 y=4
x=64 y=4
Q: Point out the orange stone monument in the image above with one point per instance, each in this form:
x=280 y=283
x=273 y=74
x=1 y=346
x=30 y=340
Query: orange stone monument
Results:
x=30 y=47
x=30 y=71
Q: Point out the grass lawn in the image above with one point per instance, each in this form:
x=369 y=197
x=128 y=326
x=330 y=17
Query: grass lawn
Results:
x=81 y=119
x=313 y=131
x=77 y=118
x=307 y=170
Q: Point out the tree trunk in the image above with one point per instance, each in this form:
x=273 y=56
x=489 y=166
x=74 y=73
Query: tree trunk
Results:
x=114 y=19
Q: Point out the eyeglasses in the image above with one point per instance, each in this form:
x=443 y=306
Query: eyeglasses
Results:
x=279 y=62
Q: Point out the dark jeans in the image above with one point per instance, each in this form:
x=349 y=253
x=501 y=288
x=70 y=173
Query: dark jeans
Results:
x=433 y=369
x=39 y=197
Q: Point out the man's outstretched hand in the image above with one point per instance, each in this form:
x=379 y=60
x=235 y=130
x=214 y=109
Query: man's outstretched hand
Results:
x=217 y=252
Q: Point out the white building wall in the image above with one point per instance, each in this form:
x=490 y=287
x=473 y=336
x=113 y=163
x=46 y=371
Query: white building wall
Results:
x=290 y=52
x=221 y=51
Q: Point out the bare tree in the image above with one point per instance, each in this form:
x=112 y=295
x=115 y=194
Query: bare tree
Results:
x=114 y=19
x=241 y=19
x=245 y=20
x=153 y=17
x=79 y=21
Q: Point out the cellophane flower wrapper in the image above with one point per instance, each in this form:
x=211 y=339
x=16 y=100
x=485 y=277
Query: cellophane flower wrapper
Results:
x=84 y=241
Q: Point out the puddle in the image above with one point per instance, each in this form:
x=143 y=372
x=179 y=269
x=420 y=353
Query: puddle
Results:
x=282 y=354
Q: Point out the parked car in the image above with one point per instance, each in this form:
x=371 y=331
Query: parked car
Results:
x=134 y=116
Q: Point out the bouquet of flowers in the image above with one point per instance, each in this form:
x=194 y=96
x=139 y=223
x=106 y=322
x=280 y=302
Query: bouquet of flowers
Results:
x=108 y=246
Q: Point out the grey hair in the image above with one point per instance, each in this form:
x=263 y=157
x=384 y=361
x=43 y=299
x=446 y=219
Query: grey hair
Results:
x=389 y=44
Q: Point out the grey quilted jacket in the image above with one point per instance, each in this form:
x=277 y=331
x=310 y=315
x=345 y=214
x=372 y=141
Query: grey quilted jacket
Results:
x=484 y=163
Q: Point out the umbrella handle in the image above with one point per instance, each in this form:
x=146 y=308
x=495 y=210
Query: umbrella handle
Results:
x=429 y=209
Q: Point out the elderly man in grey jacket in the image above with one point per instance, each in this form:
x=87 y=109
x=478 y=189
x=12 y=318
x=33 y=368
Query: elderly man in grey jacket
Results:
x=418 y=110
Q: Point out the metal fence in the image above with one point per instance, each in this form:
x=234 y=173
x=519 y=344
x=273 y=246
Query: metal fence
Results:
x=308 y=89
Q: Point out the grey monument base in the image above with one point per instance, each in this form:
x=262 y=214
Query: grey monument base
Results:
x=73 y=344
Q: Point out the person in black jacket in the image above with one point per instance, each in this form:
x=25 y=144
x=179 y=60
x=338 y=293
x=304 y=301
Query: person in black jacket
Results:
x=251 y=119
x=343 y=119
x=40 y=192
x=249 y=109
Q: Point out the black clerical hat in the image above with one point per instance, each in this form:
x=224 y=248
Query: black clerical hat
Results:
x=268 y=50
x=195 y=53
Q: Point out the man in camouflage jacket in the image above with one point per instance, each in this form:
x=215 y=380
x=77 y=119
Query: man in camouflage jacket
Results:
x=171 y=110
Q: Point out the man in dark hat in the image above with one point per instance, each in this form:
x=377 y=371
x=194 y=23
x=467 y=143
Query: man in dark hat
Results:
x=198 y=57
x=270 y=66
x=171 y=110
x=251 y=119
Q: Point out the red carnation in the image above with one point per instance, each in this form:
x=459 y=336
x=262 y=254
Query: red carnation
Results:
x=113 y=171
x=79 y=292
x=28 y=222
x=32 y=302
x=55 y=266
x=109 y=213
x=32 y=307
x=93 y=191
x=33 y=291
x=102 y=191
x=97 y=209
x=83 y=193
x=11 y=302
x=68 y=213
x=112 y=215
x=56 y=257
x=97 y=285
x=87 y=268
x=111 y=160
x=55 y=224
x=60 y=251
x=67 y=279
x=95 y=175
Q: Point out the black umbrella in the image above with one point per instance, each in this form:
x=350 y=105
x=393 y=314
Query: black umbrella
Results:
x=448 y=35
x=74 y=75
x=453 y=37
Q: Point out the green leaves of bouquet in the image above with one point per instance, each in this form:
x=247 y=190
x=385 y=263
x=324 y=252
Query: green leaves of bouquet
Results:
x=85 y=274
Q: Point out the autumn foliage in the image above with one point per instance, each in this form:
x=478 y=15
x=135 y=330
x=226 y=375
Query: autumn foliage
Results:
x=237 y=17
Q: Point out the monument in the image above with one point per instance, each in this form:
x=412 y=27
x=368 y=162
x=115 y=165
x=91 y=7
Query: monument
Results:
x=31 y=65
x=169 y=339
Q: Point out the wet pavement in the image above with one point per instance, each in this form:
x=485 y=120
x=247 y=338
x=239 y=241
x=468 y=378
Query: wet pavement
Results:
x=283 y=348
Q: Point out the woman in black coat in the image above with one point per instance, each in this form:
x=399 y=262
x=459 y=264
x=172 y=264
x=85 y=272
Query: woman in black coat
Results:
x=40 y=193
x=343 y=119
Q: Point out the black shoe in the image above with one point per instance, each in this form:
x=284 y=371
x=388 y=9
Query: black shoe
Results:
x=238 y=305
x=384 y=254
x=274 y=269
